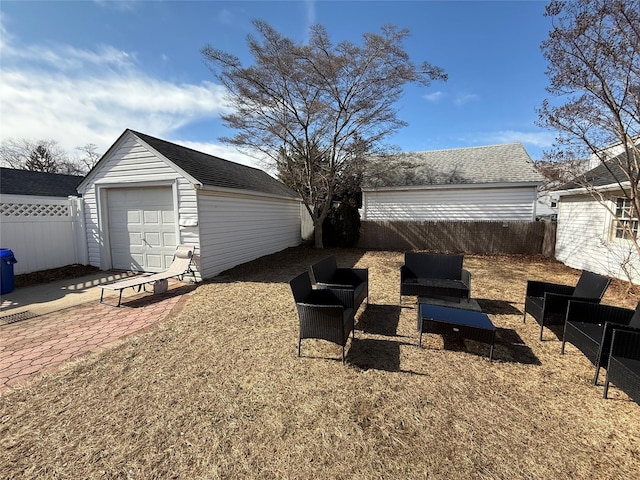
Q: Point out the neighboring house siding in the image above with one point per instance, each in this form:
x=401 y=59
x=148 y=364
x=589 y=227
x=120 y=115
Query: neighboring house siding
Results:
x=237 y=228
x=584 y=240
x=451 y=204
x=133 y=165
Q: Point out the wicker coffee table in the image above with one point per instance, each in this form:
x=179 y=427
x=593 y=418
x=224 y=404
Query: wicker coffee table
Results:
x=456 y=322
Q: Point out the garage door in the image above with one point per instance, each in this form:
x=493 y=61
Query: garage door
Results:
x=142 y=228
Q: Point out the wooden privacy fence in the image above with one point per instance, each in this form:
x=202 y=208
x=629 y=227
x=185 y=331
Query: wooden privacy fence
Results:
x=464 y=237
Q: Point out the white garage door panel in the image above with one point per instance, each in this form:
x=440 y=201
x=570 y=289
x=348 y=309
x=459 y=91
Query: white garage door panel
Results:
x=142 y=231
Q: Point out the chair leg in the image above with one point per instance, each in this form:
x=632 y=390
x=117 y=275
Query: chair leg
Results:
x=299 y=341
x=524 y=317
x=343 y=359
x=606 y=387
x=595 y=378
x=562 y=346
x=541 y=329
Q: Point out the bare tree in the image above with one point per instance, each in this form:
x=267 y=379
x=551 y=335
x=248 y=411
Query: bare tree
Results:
x=46 y=156
x=316 y=109
x=593 y=52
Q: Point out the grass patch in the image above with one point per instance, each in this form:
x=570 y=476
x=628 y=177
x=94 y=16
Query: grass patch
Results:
x=216 y=391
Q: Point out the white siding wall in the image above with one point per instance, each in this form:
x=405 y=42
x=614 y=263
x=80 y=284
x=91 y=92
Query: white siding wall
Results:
x=235 y=228
x=464 y=204
x=584 y=240
x=130 y=164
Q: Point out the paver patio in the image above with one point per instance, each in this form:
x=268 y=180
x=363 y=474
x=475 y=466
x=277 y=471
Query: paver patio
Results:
x=41 y=344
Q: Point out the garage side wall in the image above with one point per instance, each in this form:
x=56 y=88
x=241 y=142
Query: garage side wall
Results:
x=451 y=204
x=584 y=240
x=132 y=165
x=237 y=228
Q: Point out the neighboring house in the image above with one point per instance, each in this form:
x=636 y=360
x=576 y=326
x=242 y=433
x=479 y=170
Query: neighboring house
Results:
x=547 y=206
x=590 y=233
x=490 y=183
x=147 y=195
x=39 y=219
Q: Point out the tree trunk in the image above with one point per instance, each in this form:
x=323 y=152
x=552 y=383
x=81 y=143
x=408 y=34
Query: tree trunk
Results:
x=317 y=234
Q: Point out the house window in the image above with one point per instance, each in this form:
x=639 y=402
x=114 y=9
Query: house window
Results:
x=625 y=223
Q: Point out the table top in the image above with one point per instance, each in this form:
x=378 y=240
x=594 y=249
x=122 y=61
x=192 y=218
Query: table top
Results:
x=459 y=316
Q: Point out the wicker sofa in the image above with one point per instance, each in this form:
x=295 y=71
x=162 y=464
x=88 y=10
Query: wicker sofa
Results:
x=351 y=285
x=321 y=313
x=589 y=327
x=434 y=275
x=624 y=364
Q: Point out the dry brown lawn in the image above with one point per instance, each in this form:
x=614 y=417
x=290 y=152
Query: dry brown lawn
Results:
x=217 y=391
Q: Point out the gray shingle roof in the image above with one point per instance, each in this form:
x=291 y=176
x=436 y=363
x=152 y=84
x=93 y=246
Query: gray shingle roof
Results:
x=217 y=172
x=26 y=182
x=507 y=163
x=600 y=176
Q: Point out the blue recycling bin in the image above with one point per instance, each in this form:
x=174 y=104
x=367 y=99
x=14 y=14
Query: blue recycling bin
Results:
x=6 y=270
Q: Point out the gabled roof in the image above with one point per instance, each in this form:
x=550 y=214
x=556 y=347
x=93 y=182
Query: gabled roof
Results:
x=506 y=163
x=216 y=172
x=26 y=182
x=608 y=174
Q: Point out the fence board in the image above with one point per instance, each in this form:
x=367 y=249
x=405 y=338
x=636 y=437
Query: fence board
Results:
x=463 y=237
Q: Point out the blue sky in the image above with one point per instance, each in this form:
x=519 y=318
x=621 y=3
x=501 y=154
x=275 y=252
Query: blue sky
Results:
x=81 y=72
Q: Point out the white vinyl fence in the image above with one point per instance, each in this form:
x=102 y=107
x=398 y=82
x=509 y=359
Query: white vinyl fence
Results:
x=42 y=232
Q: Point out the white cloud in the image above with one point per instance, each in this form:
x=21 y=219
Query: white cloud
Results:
x=464 y=98
x=434 y=97
x=541 y=139
x=79 y=96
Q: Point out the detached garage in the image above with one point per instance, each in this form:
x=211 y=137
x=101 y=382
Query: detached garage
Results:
x=146 y=196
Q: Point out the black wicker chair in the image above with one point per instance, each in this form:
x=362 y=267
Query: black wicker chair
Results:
x=547 y=302
x=321 y=313
x=624 y=364
x=434 y=275
x=351 y=285
x=589 y=327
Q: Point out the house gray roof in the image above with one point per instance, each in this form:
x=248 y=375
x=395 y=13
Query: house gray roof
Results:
x=26 y=182
x=217 y=172
x=506 y=163
x=608 y=173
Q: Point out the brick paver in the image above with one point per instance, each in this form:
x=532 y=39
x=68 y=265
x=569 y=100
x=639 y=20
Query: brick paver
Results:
x=42 y=344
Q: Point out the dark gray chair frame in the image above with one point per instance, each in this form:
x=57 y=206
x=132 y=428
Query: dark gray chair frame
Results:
x=623 y=368
x=321 y=313
x=434 y=275
x=589 y=327
x=547 y=302
x=350 y=285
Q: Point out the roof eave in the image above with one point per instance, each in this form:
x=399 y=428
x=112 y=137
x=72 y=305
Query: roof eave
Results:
x=612 y=187
x=239 y=191
x=453 y=186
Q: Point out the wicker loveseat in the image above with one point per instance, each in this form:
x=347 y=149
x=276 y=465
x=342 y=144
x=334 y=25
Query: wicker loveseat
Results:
x=321 y=313
x=624 y=364
x=434 y=275
x=351 y=285
x=589 y=327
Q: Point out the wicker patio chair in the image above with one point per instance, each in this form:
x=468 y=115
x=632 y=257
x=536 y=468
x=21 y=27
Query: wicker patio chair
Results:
x=624 y=364
x=589 y=327
x=321 y=313
x=434 y=275
x=547 y=302
x=351 y=285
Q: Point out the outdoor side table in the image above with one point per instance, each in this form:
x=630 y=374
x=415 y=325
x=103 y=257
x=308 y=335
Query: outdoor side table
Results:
x=456 y=322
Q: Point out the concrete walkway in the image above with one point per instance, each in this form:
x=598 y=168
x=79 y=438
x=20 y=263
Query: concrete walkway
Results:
x=43 y=326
